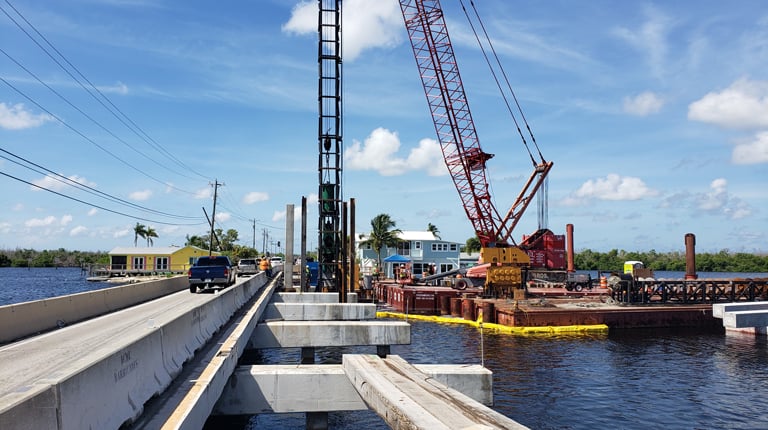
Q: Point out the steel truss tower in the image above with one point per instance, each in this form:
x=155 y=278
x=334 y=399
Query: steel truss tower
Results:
x=330 y=146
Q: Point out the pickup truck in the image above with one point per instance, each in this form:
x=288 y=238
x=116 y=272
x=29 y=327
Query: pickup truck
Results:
x=247 y=266
x=211 y=271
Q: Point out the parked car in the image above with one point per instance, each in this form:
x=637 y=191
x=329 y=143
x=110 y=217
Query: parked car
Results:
x=276 y=262
x=215 y=270
x=247 y=266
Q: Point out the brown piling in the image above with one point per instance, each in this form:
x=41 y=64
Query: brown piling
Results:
x=445 y=305
x=468 y=309
x=489 y=312
x=569 y=239
x=690 y=256
x=456 y=306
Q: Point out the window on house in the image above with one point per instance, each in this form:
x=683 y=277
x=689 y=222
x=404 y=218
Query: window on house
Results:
x=453 y=247
x=417 y=245
x=444 y=267
x=404 y=248
x=440 y=247
x=138 y=263
x=161 y=263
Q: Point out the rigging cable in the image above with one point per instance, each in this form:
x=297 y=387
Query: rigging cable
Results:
x=506 y=79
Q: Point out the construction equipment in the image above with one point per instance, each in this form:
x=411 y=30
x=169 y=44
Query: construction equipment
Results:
x=502 y=259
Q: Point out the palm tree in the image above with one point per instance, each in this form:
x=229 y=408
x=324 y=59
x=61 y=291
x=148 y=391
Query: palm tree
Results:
x=383 y=233
x=149 y=233
x=139 y=230
x=433 y=229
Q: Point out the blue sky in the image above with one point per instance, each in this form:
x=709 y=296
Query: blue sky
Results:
x=655 y=115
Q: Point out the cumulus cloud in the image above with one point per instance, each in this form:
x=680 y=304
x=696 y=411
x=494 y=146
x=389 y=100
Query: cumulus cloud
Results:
x=93 y=211
x=643 y=104
x=753 y=152
x=379 y=152
x=718 y=201
x=223 y=216
x=254 y=197
x=613 y=187
x=742 y=105
x=66 y=219
x=122 y=233
x=5 y=227
x=140 y=195
x=41 y=222
x=203 y=193
x=17 y=118
x=78 y=231
x=59 y=184
x=367 y=24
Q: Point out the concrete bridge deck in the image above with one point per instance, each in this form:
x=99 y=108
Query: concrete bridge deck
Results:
x=170 y=362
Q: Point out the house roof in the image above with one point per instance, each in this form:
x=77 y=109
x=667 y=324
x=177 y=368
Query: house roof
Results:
x=412 y=235
x=144 y=250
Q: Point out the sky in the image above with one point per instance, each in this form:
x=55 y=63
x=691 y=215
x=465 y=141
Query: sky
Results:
x=654 y=113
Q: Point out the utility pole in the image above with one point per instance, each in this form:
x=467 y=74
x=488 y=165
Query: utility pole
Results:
x=254 y=234
x=216 y=186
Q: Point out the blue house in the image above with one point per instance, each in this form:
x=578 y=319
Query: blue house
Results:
x=422 y=248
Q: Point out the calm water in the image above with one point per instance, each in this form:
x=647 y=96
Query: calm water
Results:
x=631 y=379
x=19 y=284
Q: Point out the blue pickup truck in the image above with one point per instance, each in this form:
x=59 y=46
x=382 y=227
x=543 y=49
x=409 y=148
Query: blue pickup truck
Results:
x=215 y=270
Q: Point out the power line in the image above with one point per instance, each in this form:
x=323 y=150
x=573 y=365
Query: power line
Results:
x=93 y=205
x=133 y=127
x=67 y=181
x=56 y=117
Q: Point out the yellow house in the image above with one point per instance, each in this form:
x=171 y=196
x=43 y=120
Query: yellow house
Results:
x=173 y=259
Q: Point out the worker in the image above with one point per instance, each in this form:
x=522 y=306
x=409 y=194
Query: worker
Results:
x=265 y=267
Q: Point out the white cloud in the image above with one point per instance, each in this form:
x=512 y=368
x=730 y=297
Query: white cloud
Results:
x=77 y=231
x=643 y=104
x=140 y=195
x=122 y=233
x=66 y=219
x=5 y=227
x=719 y=201
x=40 y=222
x=93 y=211
x=223 y=217
x=742 y=105
x=650 y=39
x=203 y=193
x=17 y=118
x=118 y=88
x=278 y=216
x=367 y=24
x=613 y=187
x=753 y=152
x=379 y=153
x=255 y=196
x=59 y=184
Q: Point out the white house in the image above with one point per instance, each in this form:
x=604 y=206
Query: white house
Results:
x=421 y=247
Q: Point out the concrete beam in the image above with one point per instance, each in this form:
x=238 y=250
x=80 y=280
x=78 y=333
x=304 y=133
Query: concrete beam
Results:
x=408 y=399
x=304 y=388
x=295 y=334
x=745 y=319
x=320 y=311
x=719 y=309
x=283 y=297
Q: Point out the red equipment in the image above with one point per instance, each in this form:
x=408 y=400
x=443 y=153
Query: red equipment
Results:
x=461 y=149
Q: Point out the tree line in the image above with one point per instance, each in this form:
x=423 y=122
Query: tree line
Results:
x=722 y=261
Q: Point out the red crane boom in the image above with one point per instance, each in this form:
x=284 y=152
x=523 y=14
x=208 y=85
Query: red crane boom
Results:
x=465 y=159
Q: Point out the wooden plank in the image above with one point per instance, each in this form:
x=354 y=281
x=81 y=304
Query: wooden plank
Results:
x=409 y=399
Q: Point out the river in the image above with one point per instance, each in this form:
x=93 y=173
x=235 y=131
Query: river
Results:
x=627 y=379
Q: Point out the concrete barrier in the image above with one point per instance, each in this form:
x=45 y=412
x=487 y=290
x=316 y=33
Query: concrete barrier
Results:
x=109 y=387
x=29 y=318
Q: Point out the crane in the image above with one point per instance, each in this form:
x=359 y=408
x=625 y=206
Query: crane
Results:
x=463 y=155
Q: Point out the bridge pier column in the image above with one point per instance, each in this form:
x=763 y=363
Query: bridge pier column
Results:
x=317 y=421
x=308 y=355
x=382 y=350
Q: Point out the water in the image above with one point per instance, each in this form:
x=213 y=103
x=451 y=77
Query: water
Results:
x=20 y=284
x=631 y=379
